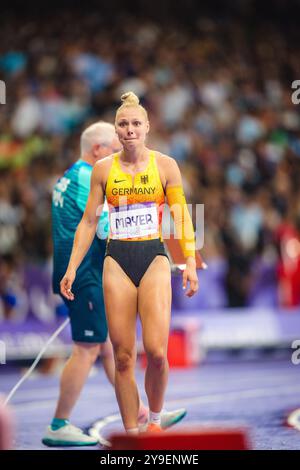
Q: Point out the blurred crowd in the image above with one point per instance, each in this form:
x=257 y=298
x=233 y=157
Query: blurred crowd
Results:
x=218 y=93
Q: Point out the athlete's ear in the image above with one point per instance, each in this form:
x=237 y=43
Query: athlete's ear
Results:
x=147 y=127
x=96 y=149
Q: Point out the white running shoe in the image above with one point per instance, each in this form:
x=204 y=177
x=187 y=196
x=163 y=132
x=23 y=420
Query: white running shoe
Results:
x=67 y=435
x=168 y=419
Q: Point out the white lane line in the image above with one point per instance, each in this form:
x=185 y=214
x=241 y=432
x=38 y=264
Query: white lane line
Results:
x=95 y=430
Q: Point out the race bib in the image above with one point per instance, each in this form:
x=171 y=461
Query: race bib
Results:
x=134 y=221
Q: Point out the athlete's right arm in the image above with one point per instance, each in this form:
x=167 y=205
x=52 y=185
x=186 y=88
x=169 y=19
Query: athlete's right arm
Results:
x=85 y=232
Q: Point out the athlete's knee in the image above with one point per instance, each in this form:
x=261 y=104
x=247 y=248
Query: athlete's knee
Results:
x=124 y=359
x=157 y=357
x=86 y=352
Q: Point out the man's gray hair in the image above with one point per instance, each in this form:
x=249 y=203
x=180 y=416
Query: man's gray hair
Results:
x=101 y=133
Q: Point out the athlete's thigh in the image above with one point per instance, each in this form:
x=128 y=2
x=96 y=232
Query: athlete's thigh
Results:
x=86 y=350
x=154 y=302
x=120 y=297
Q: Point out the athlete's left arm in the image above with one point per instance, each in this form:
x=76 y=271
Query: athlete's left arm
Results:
x=182 y=221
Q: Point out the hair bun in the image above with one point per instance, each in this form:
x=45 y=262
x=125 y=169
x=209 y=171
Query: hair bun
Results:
x=130 y=98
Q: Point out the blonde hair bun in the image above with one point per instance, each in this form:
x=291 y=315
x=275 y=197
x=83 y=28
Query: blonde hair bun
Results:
x=130 y=98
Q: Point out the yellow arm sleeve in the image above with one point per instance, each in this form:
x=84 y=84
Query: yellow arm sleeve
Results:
x=182 y=220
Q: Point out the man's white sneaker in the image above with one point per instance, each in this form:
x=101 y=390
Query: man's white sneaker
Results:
x=67 y=435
